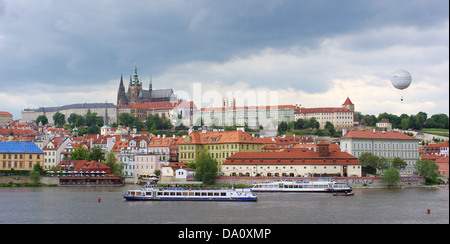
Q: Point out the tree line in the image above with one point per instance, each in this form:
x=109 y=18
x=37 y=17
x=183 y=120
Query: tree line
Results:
x=404 y=121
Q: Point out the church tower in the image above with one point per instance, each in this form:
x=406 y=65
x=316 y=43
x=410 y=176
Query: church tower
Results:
x=134 y=88
x=349 y=105
x=121 y=98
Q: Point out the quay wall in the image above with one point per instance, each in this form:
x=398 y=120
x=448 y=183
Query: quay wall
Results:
x=355 y=182
x=27 y=179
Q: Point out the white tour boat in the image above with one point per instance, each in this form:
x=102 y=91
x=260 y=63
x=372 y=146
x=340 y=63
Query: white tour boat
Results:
x=153 y=193
x=301 y=186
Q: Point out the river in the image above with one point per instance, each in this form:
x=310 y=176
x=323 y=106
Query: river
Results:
x=105 y=205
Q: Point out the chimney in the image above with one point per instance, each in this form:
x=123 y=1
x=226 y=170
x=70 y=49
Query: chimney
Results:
x=323 y=149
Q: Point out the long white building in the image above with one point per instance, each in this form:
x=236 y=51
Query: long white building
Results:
x=387 y=144
x=79 y=109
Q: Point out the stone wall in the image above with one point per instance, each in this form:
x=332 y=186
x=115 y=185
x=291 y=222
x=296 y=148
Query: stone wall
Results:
x=355 y=182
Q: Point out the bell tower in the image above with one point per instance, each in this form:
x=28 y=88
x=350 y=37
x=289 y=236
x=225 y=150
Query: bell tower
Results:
x=134 y=88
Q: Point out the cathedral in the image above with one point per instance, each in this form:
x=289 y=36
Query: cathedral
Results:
x=136 y=94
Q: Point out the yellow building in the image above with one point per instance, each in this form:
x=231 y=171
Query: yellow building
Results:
x=220 y=144
x=20 y=155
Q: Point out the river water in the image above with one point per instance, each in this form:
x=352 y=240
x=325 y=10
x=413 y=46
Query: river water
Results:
x=80 y=205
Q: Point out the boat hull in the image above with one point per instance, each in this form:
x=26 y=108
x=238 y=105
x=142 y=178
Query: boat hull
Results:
x=143 y=198
x=182 y=194
x=297 y=191
x=301 y=186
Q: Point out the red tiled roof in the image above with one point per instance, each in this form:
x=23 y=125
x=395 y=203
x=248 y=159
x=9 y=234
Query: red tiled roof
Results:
x=5 y=113
x=219 y=137
x=157 y=105
x=347 y=102
x=250 y=107
x=84 y=165
x=369 y=134
x=294 y=157
x=436 y=145
x=323 y=110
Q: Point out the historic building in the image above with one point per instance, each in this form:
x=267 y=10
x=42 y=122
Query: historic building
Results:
x=220 y=145
x=341 y=117
x=387 y=144
x=136 y=94
x=323 y=161
x=20 y=155
x=101 y=109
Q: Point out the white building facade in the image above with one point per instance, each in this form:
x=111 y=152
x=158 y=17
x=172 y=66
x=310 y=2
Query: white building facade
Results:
x=387 y=144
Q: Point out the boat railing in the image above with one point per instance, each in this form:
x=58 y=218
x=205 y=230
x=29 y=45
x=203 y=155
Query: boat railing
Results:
x=189 y=188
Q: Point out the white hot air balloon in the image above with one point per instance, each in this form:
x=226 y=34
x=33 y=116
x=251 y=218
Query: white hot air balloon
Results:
x=401 y=79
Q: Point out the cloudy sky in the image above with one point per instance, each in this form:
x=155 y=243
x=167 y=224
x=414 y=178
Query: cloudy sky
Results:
x=313 y=53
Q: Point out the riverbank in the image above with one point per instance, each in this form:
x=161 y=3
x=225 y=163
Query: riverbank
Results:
x=355 y=182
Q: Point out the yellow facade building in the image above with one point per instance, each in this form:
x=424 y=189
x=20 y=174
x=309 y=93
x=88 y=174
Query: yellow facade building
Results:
x=20 y=155
x=220 y=144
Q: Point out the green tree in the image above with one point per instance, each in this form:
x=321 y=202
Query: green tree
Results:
x=59 y=119
x=96 y=154
x=427 y=169
x=126 y=119
x=205 y=168
x=398 y=163
x=36 y=173
x=312 y=123
x=111 y=161
x=42 y=119
x=283 y=126
x=390 y=177
x=330 y=127
x=369 y=162
x=80 y=153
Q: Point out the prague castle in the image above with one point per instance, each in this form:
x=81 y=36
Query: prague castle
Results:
x=136 y=94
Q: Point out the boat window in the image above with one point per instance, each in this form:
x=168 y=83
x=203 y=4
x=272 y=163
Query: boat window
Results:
x=210 y=194
x=166 y=193
x=197 y=193
x=185 y=193
x=191 y=193
x=178 y=193
x=203 y=193
x=138 y=193
x=149 y=193
x=223 y=194
x=160 y=193
x=216 y=194
x=172 y=193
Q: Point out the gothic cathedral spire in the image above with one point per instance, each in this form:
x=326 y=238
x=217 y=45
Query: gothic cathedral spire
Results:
x=121 y=98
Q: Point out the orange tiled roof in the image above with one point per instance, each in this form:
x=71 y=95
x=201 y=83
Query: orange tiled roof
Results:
x=435 y=145
x=220 y=137
x=294 y=157
x=347 y=102
x=159 y=142
x=368 y=134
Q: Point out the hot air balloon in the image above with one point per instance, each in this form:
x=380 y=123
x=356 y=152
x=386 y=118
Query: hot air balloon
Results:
x=401 y=79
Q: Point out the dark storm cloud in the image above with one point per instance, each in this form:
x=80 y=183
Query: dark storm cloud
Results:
x=63 y=43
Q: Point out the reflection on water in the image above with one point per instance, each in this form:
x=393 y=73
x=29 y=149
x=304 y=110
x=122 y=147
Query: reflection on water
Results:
x=81 y=205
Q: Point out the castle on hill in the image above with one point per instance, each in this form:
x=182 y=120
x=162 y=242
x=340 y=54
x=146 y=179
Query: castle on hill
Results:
x=136 y=94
